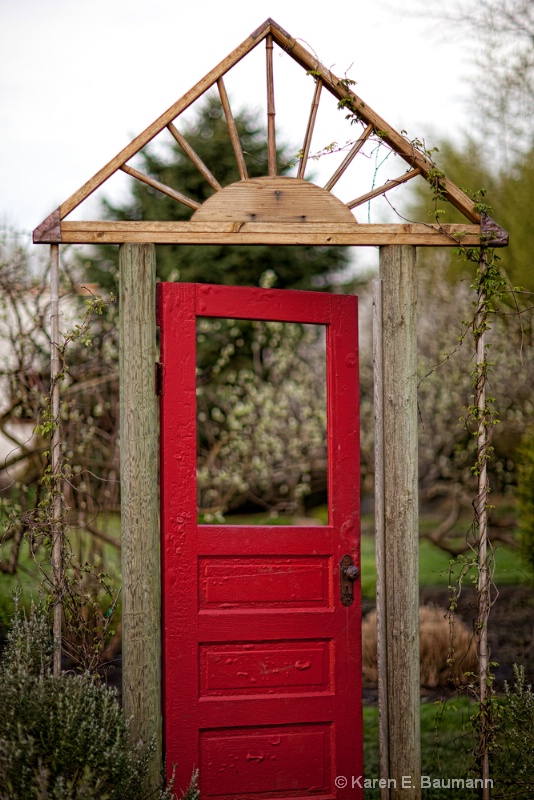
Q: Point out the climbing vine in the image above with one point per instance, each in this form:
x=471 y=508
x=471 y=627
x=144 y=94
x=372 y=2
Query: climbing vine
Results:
x=490 y=288
x=87 y=595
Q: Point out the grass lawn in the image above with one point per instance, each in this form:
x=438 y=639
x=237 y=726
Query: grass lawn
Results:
x=434 y=566
x=433 y=562
x=29 y=578
x=446 y=743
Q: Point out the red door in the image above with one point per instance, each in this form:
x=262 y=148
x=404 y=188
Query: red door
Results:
x=262 y=652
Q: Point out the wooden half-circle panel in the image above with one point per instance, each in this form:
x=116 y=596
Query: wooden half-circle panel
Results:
x=273 y=199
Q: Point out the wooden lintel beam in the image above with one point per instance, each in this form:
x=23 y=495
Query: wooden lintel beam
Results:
x=272 y=233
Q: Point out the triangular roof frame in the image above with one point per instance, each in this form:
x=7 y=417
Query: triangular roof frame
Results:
x=331 y=227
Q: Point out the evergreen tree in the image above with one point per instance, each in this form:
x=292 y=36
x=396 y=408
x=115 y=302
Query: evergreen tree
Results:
x=301 y=267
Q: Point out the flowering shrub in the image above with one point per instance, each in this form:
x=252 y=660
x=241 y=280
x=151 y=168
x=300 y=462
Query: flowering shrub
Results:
x=261 y=417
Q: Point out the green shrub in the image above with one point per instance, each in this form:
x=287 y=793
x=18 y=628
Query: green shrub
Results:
x=512 y=765
x=61 y=738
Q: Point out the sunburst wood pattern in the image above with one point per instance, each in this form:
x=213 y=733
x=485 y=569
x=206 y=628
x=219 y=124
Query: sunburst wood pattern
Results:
x=273 y=200
x=300 y=205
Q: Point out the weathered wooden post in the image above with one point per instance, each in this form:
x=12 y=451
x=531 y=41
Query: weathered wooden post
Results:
x=141 y=601
x=395 y=356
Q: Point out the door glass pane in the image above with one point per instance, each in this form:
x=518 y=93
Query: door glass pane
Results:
x=261 y=422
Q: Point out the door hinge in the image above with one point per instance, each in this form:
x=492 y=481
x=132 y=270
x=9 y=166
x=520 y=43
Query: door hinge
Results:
x=158 y=374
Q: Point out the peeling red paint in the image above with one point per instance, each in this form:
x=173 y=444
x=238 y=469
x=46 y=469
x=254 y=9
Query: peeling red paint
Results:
x=256 y=651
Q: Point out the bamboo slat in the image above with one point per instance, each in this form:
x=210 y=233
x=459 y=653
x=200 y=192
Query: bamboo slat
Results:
x=232 y=128
x=161 y=187
x=197 y=161
x=48 y=232
x=364 y=198
x=349 y=158
x=399 y=143
x=309 y=129
x=168 y=116
x=271 y=112
x=269 y=233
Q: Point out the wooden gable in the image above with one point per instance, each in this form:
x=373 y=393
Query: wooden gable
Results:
x=274 y=209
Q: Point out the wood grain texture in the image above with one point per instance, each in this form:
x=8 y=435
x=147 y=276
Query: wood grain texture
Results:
x=380 y=543
x=56 y=458
x=320 y=233
x=274 y=200
x=400 y=515
x=49 y=231
x=140 y=552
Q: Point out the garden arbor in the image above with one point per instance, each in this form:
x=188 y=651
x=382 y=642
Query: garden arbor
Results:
x=277 y=209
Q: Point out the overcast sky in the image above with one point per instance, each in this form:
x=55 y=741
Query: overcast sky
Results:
x=80 y=78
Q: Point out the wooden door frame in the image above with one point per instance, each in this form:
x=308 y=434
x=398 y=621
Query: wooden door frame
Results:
x=399 y=711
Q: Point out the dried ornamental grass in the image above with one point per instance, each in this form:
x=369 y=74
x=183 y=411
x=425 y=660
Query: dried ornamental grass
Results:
x=439 y=666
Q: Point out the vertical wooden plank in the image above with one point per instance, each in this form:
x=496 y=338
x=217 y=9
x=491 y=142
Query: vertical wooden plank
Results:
x=55 y=459
x=381 y=619
x=176 y=306
x=399 y=342
x=141 y=683
x=344 y=514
